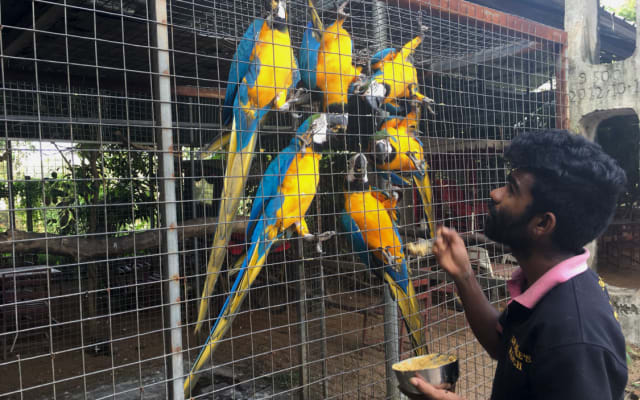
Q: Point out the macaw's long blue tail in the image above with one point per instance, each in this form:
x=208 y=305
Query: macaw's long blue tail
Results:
x=423 y=184
x=241 y=153
x=253 y=263
x=410 y=310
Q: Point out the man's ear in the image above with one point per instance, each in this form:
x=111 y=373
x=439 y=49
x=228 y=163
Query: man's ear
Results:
x=544 y=224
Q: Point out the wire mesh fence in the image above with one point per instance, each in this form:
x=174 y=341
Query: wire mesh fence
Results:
x=111 y=191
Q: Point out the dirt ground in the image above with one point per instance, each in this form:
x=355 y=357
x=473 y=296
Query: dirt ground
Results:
x=261 y=360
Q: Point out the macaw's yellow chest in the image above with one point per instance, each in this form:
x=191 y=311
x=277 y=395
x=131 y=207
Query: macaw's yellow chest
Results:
x=277 y=63
x=335 y=71
x=399 y=74
x=299 y=187
x=374 y=222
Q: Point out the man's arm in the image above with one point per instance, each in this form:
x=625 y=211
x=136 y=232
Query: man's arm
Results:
x=452 y=256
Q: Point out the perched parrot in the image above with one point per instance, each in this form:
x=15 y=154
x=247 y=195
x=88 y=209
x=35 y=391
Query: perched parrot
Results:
x=397 y=150
x=263 y=72
x=375 y=237
x=326 y=62
x=283 y=197
x=394 y=77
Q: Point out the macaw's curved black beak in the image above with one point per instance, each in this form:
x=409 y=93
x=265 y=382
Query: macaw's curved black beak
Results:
x=382 y=151
x=337 y=123
x=360 y=164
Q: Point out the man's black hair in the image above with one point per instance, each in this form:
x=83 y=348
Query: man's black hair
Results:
x=574 y=179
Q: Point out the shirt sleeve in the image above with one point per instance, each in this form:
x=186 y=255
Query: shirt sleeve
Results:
x=578 y=371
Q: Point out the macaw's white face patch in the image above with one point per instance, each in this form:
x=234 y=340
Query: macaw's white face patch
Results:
x=375 y=89
x=319 y=128
x=282 y=9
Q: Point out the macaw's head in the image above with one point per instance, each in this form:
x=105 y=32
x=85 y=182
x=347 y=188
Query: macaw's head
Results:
x=383 y=150
x=277 y=12
x=357 y=169
x=315 y=132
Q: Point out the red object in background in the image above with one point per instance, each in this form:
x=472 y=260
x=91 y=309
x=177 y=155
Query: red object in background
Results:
x=459 y=208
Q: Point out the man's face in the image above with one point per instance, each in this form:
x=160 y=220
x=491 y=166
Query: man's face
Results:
x=510 y=212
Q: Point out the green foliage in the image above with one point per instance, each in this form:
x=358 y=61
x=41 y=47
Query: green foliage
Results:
x=109 y=190
x=626 y=10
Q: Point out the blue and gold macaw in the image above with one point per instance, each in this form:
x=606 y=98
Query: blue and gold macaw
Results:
x=394 y=77
x=263 y=72
x=397 y=150
x=326 y=62
x=285 y=193
x=374 y=236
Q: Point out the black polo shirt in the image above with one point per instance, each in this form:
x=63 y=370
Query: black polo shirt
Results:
x=567 y=345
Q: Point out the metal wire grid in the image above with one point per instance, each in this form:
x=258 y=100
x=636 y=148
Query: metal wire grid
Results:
x=311 y=324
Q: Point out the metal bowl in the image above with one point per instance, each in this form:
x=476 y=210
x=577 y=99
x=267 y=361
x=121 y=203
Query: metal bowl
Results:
x=434 y=368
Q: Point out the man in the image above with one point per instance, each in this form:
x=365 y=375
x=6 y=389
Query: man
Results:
x=558 y=338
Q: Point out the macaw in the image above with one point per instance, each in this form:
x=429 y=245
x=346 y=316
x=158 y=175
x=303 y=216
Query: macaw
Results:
x=397 y=150
x=285 y=193
x=326 y=62
x=394 y=77
x=375 y=237
x=263 y=72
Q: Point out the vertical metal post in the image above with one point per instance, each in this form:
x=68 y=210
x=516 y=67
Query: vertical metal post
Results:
x=380 y=24
x=168 y=196
x=302 y=319
x=323 y=320
x=390 y=342
x=12 y=206
x=29 y=203
x=391 y=325
x=194 y=206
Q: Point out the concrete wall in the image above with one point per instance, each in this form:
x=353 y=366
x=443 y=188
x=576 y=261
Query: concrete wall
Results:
x=598 y=92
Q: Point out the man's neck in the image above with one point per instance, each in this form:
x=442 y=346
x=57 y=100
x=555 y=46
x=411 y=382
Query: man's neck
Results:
x=539 y=261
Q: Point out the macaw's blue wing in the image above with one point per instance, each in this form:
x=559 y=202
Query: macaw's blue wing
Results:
x=239 y=66
x=383 y=55
x=398 y=180
x=396 y=277
x=268 y=189
x=359 y=245
x=309 y=57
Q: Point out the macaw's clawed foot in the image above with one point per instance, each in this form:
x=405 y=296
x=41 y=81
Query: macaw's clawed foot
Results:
x=301 y=95
x=418 y=163
x=319 y=238
x=428 y=102
x=341 y=12
x=389 y=258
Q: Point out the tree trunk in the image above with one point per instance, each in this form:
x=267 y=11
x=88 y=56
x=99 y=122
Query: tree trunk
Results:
x=85 y=248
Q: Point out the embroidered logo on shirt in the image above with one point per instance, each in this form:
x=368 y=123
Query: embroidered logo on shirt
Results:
x=603 y=286
x=516 y=356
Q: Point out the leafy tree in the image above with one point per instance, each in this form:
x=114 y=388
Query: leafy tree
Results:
x=626 y=10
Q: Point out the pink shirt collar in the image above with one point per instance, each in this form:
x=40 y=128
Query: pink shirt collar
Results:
x=560 y=273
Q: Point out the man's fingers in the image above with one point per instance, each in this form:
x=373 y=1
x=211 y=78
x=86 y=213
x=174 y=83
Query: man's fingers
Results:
x=425 y=387
x=432 y=392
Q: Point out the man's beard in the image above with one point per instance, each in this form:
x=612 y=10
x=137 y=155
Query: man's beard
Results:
x=509 y=230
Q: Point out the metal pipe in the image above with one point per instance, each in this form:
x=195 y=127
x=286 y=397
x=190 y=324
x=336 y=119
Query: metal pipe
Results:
x=168 y=196
x=380 y=25
x=12 y=206
x=390 y=342
x=390 y=307
x=194 y=207
x=302 y=320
